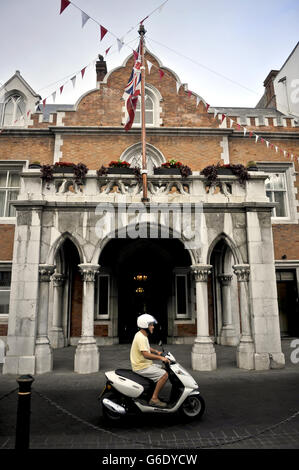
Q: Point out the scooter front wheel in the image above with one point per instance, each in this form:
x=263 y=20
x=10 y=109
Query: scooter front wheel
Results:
x=193 y=407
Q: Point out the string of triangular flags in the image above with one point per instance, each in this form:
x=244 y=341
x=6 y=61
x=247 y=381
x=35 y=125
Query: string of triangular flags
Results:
x=103 y=30
x=222 y=116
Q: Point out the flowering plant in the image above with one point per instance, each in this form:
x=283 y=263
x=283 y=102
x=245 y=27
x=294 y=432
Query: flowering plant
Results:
x=172 y=164
x=211 y=172
x=119 y=164
x=64 y=164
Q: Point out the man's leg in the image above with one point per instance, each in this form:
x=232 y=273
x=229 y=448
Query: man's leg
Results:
x=159 y=386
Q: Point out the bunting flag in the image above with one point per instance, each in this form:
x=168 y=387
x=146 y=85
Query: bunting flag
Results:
x=107 y=50
x=64 y=5
x=222 y=118
x=207 y=107
x=73 y=80
x=161 y=73
x=250 y=134
x=149 y=66
x=178 y=86
x=189 y=93
x=197 y=100
x=267 y=143
x=276 y=148
x=85 y=18
x=83 y=72
x=141 y=22
x=245 y=130
x=238 y=126
x=54 y=96
x=61 y=89
x=215 y=112
x=28 y=112
x=231 y=122
x=120 y=44
x=44 y=102
x=104 y=31
x=256 y=138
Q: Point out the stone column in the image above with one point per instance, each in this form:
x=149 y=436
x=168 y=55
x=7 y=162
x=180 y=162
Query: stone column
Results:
x=87 y=356
x=203 y=356
x=57 y=336
x=43 y=350
x=228 y=334
x=245 y=350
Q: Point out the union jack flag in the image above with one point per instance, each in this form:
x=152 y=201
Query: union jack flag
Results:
x=133 y=89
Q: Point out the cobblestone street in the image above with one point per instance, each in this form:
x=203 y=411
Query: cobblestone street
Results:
x=245 y=409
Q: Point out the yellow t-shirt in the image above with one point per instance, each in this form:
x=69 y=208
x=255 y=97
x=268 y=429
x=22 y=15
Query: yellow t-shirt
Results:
x=140 y=343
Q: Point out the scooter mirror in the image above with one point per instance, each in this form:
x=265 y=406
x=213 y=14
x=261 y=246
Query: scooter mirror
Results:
x=161 y=344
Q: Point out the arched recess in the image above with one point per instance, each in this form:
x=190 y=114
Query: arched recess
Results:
x=133 y=155
x=153 y=110
x=223 y=291
x=14 y=109
x=58 y=243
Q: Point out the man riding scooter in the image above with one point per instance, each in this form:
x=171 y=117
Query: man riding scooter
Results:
x=141 y=356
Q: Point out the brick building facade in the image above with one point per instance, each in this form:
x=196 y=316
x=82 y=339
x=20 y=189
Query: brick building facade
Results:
x=63 y=284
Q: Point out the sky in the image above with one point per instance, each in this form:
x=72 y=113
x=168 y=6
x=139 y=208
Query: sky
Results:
x=227 y=41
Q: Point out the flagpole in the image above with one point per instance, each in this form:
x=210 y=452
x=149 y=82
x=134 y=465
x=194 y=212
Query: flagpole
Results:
x=143 y=131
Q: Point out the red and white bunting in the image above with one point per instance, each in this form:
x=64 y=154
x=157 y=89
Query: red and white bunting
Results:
x=61 y=89
x=119 y=44
x=244 y=130
x=178 y=86
x=161 y=73
x=231 y=122
x=256 y=138
x=107 y=50
x=64 y=5
x=54 y=96
x=44 y=102
x=104 y=31
x=215 y=112
x=149 y=66
x=197 y=100
x=222 y=118
x=207 y=107
x=189 y=94
x=83 y=72
x=85 y=18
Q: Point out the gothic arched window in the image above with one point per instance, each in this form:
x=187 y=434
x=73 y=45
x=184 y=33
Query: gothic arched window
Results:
x=14 y=111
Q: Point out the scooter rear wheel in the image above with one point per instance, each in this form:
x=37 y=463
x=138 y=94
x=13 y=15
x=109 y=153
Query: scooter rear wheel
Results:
x=109 y=415
x=193 y=407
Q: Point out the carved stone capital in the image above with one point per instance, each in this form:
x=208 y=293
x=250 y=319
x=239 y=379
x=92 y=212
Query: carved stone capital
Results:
x=242 y=272
x=201 y=272
x=58 y=279
x=225 y=279
x=89 y=271
x=46 y=271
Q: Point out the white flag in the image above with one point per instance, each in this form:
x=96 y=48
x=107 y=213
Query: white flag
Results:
x=149 y=65
x=197 y=100
x=73 y=79
x=85 y=18
x=245 y=130
x=267 y=143
x=54 y=96
x=284 y=153
x=292 y=156
x=215 y=112
x=256 y=138
x=178 y=86
x=231 y=122
x=276 y=148
x=120 y=44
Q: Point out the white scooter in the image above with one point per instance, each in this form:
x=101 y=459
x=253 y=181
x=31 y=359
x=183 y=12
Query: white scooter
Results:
x=127 y=392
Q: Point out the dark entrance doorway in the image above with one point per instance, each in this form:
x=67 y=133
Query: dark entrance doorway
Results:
x=143 y=269
x=287 y=294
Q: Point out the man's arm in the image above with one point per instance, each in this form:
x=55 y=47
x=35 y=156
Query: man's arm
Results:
x=149 y=355
x=155 y=351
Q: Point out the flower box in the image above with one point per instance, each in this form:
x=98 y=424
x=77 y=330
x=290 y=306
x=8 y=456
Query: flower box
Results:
x=167 y=171
x=120 y=171
x=224 y=171
x=252 y=168
x=34 y=165
x=63 y=169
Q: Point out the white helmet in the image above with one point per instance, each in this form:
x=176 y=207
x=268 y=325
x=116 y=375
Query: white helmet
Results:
x=144 y=320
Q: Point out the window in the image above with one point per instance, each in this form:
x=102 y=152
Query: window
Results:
x=14 y=110
x=181 y=289
x=5 y=280
x=149 y=111
x=102 y=296
x=276 y=192
x=9 y=190
x=280 y=188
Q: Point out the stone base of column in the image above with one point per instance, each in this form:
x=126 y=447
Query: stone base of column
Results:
x=19 y=365
x=203 y=355
x=245 y=354
x=57 y=338
x=228 y=336
x=43 y=356
x=265 y=361
x=87 y=356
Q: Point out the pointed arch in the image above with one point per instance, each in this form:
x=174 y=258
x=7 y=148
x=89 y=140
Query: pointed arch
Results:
x=230 y=243
x=59 y=242
x=133 y=155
